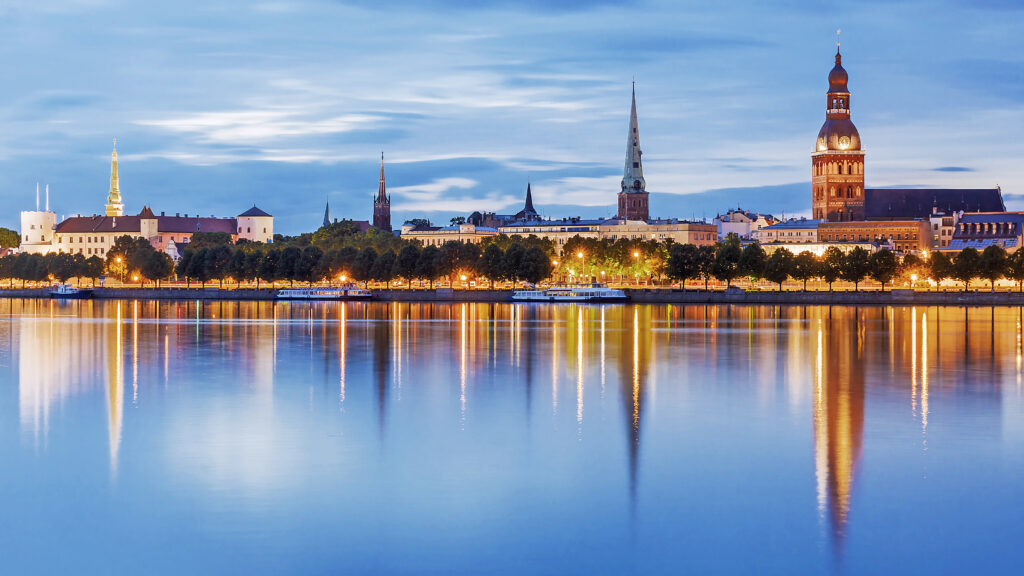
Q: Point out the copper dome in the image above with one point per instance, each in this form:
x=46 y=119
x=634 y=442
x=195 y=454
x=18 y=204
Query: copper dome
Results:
x=838 y=78
x=838 y=134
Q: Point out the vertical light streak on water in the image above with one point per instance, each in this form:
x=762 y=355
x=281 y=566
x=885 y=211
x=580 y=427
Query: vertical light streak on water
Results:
x=341 y=352
x=512 y=338
x=820 y=430
x=115 y=397
x=602 y=352
x=167 y=352
x=924 y=374
x=913 y=360
x=462 y=367
x=273 y=354
x=135 y=352
x=397 y=325
x=579 y=369
x=636 y=368
x=1020 y=311
x=554 y=362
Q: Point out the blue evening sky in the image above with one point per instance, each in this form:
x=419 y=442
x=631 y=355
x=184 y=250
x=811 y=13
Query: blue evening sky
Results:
x=221 y=105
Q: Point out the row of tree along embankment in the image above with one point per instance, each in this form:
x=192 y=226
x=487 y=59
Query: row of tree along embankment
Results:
x=637 y=296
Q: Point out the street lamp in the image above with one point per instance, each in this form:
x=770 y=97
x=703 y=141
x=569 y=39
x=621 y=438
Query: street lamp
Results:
x=636 y=267
x=463 y=278
x=583 y=263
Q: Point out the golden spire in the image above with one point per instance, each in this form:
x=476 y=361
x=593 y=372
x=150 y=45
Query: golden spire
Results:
x=114 y=205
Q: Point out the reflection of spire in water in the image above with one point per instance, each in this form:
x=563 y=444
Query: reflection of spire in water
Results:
x=115 y=395
x=632 y=375
x=135 y=352
x=838 y=417
x=381 y=361
x=531 y=345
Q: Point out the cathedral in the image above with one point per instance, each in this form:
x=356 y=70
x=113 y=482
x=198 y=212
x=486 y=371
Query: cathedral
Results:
x=838 y=167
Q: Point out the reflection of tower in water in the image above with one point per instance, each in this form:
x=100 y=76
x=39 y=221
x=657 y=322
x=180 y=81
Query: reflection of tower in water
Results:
x=838 y=413
x=633 y=359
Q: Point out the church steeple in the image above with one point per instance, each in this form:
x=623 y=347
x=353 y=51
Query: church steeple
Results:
x=382 y=203
x=114 y=205
x=633 y=199
x=633 y=175
x=327 y=213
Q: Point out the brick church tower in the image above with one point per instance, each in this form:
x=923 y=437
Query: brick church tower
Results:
x=633 y=202
x=382 y=203
x=837 y=165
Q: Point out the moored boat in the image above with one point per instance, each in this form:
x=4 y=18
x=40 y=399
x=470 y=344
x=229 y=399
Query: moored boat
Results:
x=324 y=293
x=578 y=293
x=70 y=292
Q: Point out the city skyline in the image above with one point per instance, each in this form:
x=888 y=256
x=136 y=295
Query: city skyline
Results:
x=250 y=107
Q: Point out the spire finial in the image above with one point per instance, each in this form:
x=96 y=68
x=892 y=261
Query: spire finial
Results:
x=838 y=31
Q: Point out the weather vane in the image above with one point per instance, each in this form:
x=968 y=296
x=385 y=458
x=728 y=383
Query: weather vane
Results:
x=838 y=31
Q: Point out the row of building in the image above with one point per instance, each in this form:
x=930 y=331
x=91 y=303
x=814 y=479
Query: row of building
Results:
x=844 y=211
x=94 y=235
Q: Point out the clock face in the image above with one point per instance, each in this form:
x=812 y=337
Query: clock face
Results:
x=821 y=144
x=844 y=142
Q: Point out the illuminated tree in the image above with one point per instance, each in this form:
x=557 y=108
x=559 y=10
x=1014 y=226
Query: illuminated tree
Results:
x=883 y=266
x=940 y=267
x=966 y=266
x=832 y=263
x=778 y=266
x=856 y=266
x=805 y=267
x=992 y=264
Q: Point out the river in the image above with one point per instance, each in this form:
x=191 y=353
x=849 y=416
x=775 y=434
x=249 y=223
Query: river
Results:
x=408 y=438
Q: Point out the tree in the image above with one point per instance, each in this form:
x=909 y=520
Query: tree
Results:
x=458 y=220
x=336 y=235
x=201 y=240
x=9 y=238
x=912 y=267
x=93 y=268
x=940 y=267
x=197 y=267
x=966 y=266
x=286 y=262
x=362 y=266
x=268 y=265
x=683 y=263
x=832 y=263
x=216 y=262
x=383 y=269
x=511 y=262
x=856 y=265
x=61 y=266
x=236 y=266
x=992 y=264
x=253 y=261
x=428 y=265
x=727 y=258
x=182 y=267
x=157 y=266
x=535 y=265
x=405 y=263
x=1015 y=268
x=778 y=267
x=805 y=267
x=752 y=261
x=491 y=263
x=706 y=263
x=307 y=268
x=419 y=222
x=883 y=266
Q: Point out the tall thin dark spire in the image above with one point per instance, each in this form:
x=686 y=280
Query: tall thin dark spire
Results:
x=382 y=189
x=529 y=200
x=633 y=174
x=327 y=213
x=382 y=203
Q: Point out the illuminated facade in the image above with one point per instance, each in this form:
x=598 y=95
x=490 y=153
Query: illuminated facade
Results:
x=837 y=165
x=899 y=235
x=94 y=235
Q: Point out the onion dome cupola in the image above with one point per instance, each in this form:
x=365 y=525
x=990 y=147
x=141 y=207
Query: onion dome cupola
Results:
x=838 y=131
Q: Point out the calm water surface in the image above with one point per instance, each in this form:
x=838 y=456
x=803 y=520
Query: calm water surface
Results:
x=184 y=438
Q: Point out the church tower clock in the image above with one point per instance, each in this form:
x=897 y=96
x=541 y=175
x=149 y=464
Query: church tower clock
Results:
x=837 y=164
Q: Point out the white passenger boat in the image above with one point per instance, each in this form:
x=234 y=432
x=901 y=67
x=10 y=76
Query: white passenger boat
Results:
x=578 y=293
x=324 y=293
x=70 y=292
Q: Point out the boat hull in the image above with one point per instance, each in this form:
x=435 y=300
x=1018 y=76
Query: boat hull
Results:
x=323 y=294
x=79 y=295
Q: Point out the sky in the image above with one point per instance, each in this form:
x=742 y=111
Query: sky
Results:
x=221 y=105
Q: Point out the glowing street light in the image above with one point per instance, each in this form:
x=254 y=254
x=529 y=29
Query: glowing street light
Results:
x=583 y=263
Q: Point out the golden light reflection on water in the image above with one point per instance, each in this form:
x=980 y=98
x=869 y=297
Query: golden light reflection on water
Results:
x=823 y=364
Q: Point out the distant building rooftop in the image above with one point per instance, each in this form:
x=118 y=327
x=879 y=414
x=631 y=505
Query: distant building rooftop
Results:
x=902 y=203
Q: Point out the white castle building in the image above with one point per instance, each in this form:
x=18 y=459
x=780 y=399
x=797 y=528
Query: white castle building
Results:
x=94 y=235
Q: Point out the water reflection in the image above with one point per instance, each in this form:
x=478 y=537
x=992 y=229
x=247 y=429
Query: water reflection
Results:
x=213 y=391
